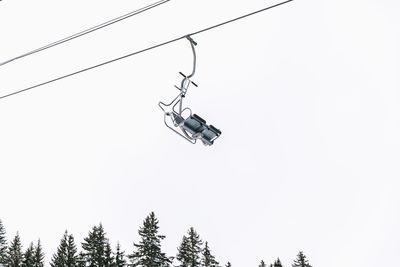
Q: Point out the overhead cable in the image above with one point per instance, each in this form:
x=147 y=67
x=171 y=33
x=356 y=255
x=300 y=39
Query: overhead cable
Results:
x=142 y=51
x=87 y=31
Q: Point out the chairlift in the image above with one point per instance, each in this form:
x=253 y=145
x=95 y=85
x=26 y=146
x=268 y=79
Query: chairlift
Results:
x=181 y=120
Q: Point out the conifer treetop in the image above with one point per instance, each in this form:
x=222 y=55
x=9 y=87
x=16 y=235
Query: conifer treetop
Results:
x=147 y=252
x=301 y=261
x=38 y=255
x=94 y=246
x=208 y=260
x=14 y=254
x=3 y=244
x=66 y=255
x=189 y=252
x=120 y=260
x=28 y=258
x=277 y=263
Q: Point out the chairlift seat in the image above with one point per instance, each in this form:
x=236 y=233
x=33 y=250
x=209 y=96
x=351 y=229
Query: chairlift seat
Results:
x=209 y=134
x=194 y=124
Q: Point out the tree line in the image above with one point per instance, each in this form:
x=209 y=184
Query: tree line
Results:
x=97 y=251
x=300 y=261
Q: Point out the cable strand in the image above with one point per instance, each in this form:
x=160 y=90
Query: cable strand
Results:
x=140 y=51
x=241 y=17
x=87 y=31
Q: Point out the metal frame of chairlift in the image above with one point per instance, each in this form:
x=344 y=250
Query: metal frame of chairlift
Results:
x=191 y=127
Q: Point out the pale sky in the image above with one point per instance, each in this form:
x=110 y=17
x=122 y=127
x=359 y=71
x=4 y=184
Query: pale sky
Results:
x=306 y=95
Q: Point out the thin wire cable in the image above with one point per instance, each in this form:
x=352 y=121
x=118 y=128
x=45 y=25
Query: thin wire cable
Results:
x=87 y=31
x=141 y=51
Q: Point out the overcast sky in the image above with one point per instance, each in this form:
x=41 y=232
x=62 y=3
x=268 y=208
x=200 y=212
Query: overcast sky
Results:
x=306 y=95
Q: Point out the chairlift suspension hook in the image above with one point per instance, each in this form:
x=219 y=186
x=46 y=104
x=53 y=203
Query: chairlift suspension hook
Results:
x=187 y=78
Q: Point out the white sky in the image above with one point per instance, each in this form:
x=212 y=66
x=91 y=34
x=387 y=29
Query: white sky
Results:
x=306 y=95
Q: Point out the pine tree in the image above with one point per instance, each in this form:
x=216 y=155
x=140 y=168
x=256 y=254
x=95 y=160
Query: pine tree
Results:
x=38 y=255
x=80 y=261
x=14 y=255
x=184 y=254
x=109 y=260
x=208 y=260
x=189 y=252
x=59 y=259
x=262 y=264
x=94 y=246
x=3 y=244
x=28 y=258
x=100 y=246
x=89 y=247
x=301 y=261
x=195 y=246
x=147 y=252
x=71 y=252
x=66 y=253
x=277 y=263
x=120 y=257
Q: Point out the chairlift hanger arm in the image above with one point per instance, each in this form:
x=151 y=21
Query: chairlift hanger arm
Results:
x=192 y=44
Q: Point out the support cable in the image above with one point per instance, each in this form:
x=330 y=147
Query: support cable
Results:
x=87 y=31
x=141 y=51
